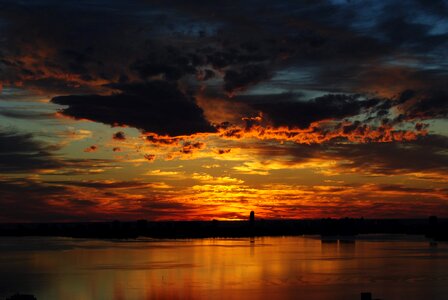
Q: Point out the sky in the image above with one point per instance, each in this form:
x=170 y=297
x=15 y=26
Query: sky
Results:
x=201 y=110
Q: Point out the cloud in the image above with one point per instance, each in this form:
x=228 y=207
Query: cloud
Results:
x=209 y=179
x=224 y=151
x=51 y=61
x=150 y=157
x=425 y=154
x=71 y=167
x=26 y=200
x=102 y=184
x=107 y=200
x=169 y=63
x=21 y=153
x=322 y=46
x=410 y=34
x=424 y=157
x=246 y=43
x=300 y=84
x=240 y=79
x=119 y=136
x=300 y=114
x=164 y=173
x=20 y=114
x=163 y=140
x=322 y=132
x=423 y=105
x=71 y=134
x=92 y=148
x=32 y=204
x=155 y=106
x=189 y=147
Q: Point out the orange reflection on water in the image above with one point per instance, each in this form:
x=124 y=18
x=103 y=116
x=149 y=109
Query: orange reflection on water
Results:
x=255 y=268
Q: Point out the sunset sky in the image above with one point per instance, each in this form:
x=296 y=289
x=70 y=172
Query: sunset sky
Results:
x=200 y=110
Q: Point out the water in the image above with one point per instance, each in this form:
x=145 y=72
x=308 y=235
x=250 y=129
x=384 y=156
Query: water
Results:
x=391 y=267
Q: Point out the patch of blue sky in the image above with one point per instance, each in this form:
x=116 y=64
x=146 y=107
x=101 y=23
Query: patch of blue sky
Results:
x=438 y=126
x=300 y=81
x=367 y=13
x=427 y=62
x=19 y=94
x=25 y=116
x=437 y=24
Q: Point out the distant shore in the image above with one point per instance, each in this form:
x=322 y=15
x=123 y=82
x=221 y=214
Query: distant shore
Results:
x=434 y=228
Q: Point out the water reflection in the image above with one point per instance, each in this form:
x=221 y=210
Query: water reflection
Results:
x=255 y=268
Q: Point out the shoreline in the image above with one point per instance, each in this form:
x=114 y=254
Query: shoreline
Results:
x=435 y=229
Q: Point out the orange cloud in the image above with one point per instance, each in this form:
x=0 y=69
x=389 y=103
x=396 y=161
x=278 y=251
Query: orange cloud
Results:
x=208 y=179
x=219 y=198
x=150 y=157
x=190 y=147
x=162 y=140
x=92 y=148
x=321 y=132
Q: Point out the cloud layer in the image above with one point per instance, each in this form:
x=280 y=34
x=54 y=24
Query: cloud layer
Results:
x=331 y=108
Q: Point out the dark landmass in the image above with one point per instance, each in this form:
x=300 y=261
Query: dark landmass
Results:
x=432 y=227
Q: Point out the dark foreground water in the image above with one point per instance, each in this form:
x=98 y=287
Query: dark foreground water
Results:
x=391 y=267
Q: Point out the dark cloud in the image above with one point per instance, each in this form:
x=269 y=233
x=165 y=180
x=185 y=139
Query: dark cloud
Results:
x=410 y=107
x=425 y=105
x=67 y=47
x=27 y=115
x=402 y=29
x=426 y=154
x=238 y=80
x=437 y=7
x=101 y=184
x=407 y=189
x=21 y=153
x=162 y=140
x=150 y=157
x=119 y=136
x=142 y=64
x=205 y=74
x=92 y=148
x=190 y=147
x=224 y=151
x=26 y=200
x=326 y=46
x=71 y=167
x=155 y=106
x=295 y=113
x=170 y=62
x=165 y=45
